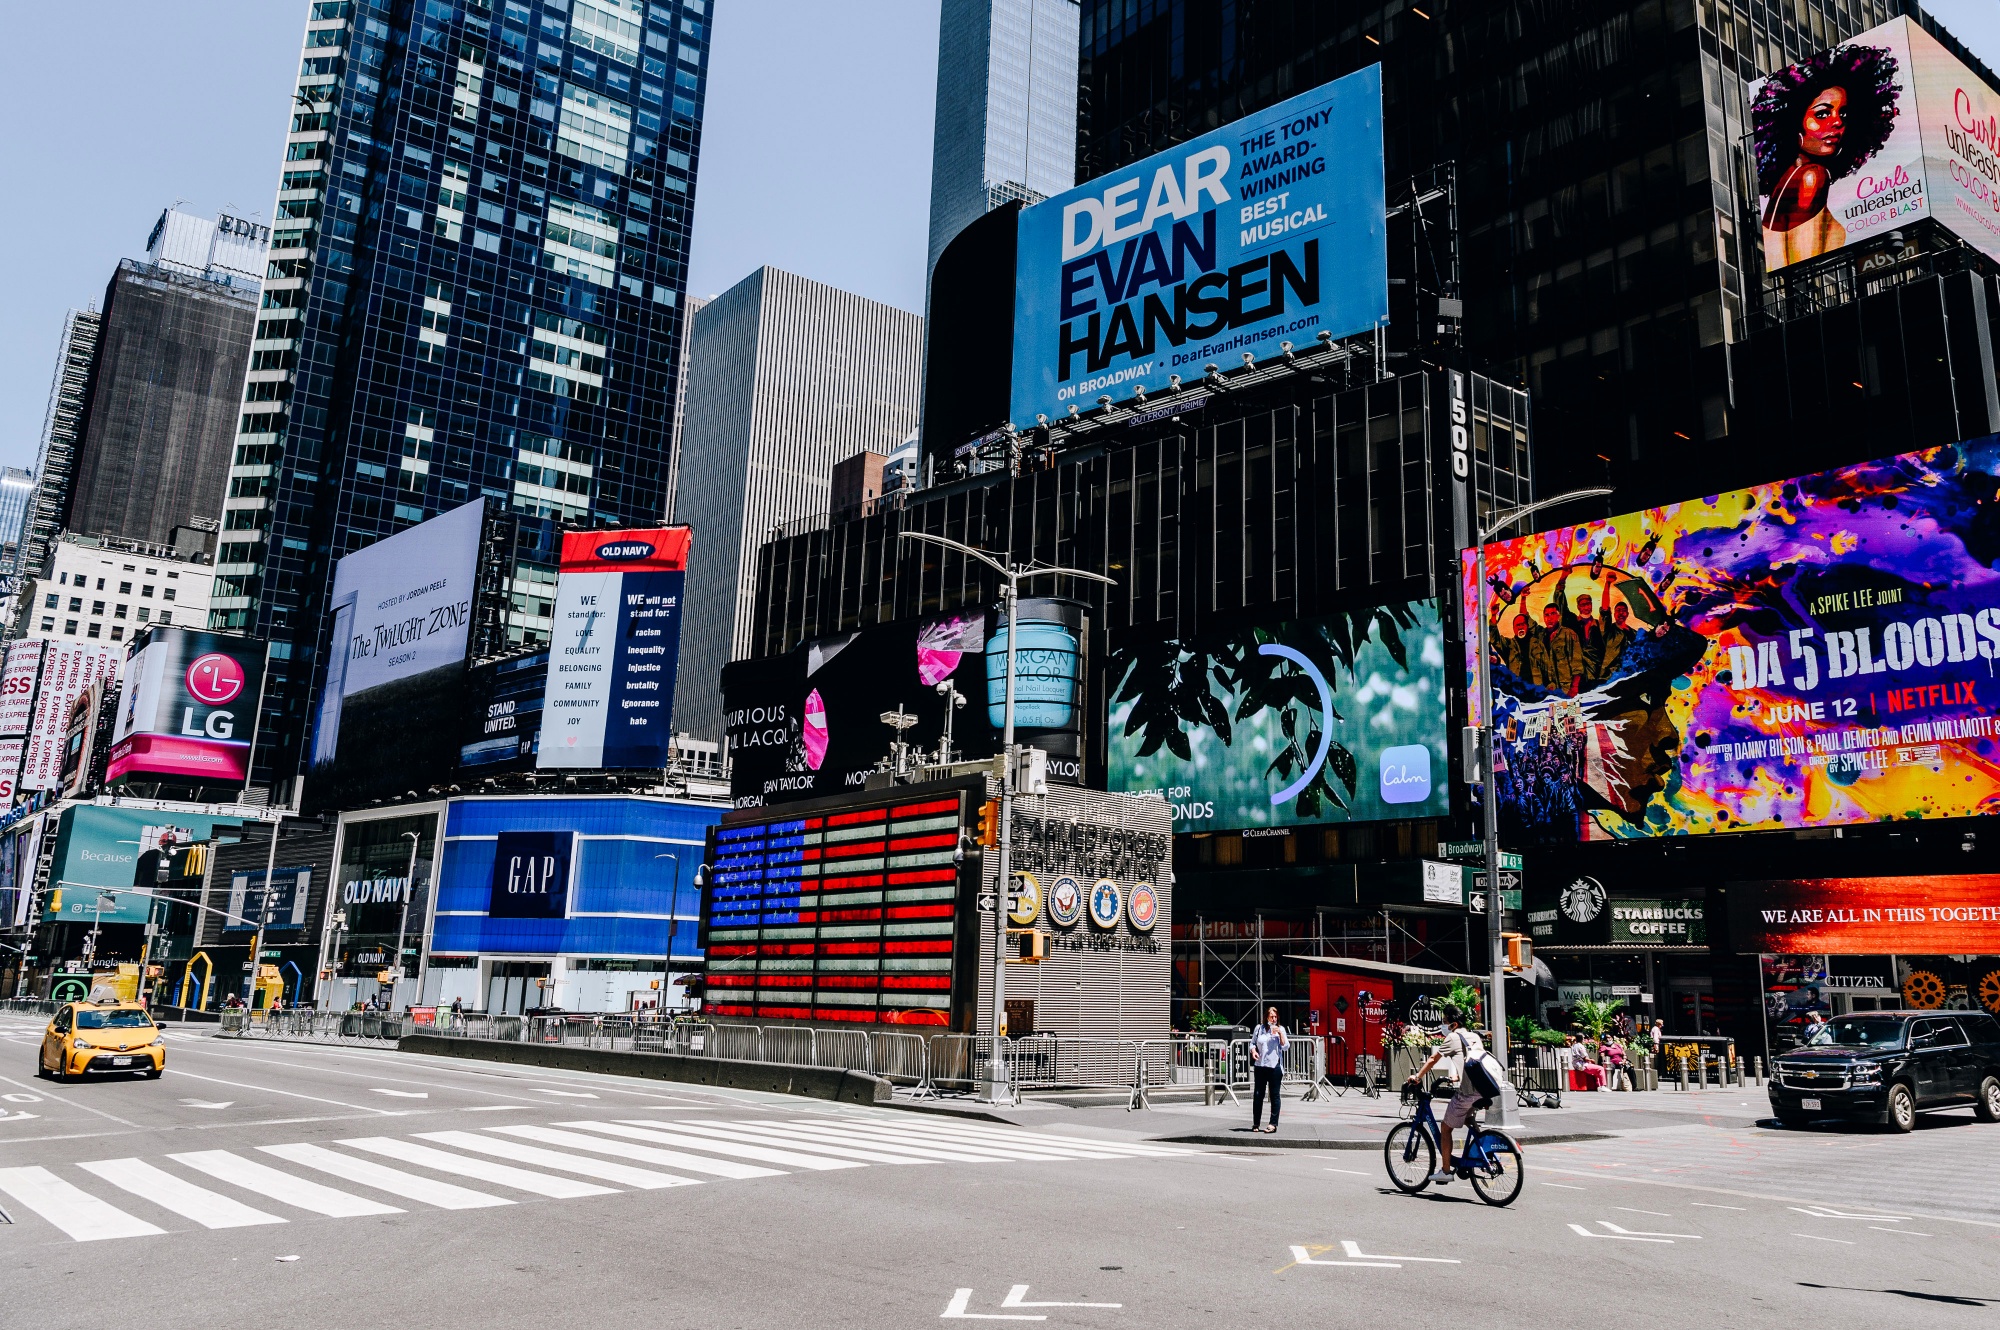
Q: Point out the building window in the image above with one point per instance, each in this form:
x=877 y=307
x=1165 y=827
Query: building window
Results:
x=96 y=629
x=166 y=616
x=145 y=613
x=97 y=607
x=171 y=575
x=51 y=602
x=100 y=584
x=168 y=593
x=48 y=625
x=117 y=633
x=118 y=612
x=69 y=627
x=124 y=588
x=147 y=591
x=76 y=604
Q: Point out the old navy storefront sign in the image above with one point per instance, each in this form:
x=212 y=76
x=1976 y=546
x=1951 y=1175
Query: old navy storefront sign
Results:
x=616 y=648
x=1267 y=230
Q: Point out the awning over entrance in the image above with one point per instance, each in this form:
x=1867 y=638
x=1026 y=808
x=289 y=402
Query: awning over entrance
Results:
x=1411 y=972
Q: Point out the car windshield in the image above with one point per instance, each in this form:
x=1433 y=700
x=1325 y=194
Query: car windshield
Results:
x=113 y=1020
x=1862 y=1032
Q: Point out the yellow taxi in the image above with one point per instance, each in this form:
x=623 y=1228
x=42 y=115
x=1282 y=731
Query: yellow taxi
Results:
x=101 y=1037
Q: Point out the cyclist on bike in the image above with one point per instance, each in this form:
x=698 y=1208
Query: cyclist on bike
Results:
x=1461 y=1046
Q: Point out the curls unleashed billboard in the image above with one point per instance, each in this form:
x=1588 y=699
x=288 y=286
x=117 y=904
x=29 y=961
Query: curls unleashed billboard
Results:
x=1872 y=135
x=1815 y=652
x=1269 y=229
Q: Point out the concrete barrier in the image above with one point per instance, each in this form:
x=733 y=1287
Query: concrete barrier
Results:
x=831 y=1083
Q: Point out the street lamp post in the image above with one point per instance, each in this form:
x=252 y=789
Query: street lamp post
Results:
x=667 y=966
x=1011 y=575
x=403 y=924
x=263 y=913
x=1489 y=803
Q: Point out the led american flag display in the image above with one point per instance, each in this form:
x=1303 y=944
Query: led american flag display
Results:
x=843 y=916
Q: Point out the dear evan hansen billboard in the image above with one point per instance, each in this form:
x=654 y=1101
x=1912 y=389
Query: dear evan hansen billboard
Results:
x=616 y=647
x=1267 y=230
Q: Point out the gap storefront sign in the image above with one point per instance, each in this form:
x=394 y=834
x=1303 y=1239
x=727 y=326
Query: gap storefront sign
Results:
x=601 y=876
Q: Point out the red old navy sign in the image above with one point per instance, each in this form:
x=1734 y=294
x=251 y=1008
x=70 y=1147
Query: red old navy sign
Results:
x=188 y=709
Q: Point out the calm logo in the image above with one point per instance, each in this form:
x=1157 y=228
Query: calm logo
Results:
x=1406 y=774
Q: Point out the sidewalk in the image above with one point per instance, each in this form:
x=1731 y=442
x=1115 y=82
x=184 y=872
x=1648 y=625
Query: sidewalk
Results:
x=1355 y=1122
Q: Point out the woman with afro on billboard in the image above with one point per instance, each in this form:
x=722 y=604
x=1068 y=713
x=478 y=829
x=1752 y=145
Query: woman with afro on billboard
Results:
x=1815 y=123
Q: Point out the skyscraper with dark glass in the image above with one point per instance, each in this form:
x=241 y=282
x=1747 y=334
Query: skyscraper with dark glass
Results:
x=475 y=284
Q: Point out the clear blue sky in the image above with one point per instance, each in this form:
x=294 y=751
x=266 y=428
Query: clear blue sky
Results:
x=816 y=153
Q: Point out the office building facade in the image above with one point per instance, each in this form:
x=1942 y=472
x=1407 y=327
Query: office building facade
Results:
x=786 y=377
x=17 y=490
x=473 y=290
x=161 y=420
x=108 y=589
x=1609 y=257
x=62 y=429
x=1006 y=109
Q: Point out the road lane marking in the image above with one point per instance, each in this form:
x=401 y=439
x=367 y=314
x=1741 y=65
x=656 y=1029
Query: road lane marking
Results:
x=401 y=1094
x=647 y=1154
x=895 y=1144
x=1034 y=1140
x=955 y=1310
x=1709 y=1205
x=277 y=1185
x=70 y=1208
x=495 y=1108
x=205 y=1103
x=444 y=1195
x=210 y=1209
x=567 y=1094
x=757 y=1133
x=1817 y=1238
x=1583 y=1232
x=1657 y=1214
x=289 y=1094
x=643 y=1178
x=892 y=1132
x=1352 y=1172
x=649 y=1131
x=1016 y=1295
x=72 y=1103
x=443 y=1161
x=1565 y=1186
x=1828 y=1212
x=1306 y=1256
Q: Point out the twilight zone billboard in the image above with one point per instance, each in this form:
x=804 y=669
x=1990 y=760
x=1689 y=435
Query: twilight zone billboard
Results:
x=1269 y=229
x=616 y=649
x=1814 y=652
x=1329 y=720
x=402 y=617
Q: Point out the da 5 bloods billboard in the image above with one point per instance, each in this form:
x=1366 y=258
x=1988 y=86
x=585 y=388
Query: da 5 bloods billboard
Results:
x=1872 y=135
x=1813 y=652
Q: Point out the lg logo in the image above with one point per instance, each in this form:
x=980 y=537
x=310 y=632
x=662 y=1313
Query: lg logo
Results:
x=215 y=679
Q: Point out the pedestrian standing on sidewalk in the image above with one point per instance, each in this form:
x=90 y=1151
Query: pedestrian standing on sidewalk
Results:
x=1268 y=1043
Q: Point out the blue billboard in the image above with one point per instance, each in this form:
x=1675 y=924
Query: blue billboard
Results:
x=1270 y=229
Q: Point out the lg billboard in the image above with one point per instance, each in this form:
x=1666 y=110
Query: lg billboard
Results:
x=189 y=707
x=1268 y=230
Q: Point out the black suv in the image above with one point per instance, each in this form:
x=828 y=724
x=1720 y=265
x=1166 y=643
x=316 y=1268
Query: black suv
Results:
x=1888 y=1066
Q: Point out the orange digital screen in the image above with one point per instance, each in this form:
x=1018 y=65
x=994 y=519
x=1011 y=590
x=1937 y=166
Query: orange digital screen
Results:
x=1868 y=916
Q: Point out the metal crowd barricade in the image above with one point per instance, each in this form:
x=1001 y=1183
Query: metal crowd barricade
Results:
x=898 y=1058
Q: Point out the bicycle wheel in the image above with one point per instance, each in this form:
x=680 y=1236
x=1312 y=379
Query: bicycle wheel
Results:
x=1411 y=1157
x=1498 y=1180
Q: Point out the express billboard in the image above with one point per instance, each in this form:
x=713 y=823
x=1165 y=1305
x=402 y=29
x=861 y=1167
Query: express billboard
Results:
x=17 y=686
x=1871 y=135
x=615 y=651
x=189 y=707
x=1268 y=229
x=1813 y=652
x=1340 y=719
x=402 y=616
x=68 y=669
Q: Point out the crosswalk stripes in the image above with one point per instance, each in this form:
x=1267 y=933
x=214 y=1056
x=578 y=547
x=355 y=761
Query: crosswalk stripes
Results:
x=443 y=1161
x=636 y=1153
x=648 y=1154
x=210 y=1209
x=645 y=1179
x=277 y=1185
x=71 y=1208
x=644 y=1131
x=444 y=1195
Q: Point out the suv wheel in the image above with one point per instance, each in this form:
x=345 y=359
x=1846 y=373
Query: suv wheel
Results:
x=1987 y=1106
x=1902 y=1114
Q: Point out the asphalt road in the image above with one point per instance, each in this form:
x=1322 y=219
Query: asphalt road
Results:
x=302 y=1186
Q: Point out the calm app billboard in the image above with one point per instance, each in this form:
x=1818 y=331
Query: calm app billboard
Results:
x=1329 y=720
x=1808 y=653
x=1267 y=230
x=616 y=649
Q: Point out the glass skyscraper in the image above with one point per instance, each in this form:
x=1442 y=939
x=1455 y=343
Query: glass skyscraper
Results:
x=475 y=284
x=1006 y=109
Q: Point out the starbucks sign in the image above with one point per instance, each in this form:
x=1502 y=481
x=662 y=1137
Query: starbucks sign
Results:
x=1675 y=922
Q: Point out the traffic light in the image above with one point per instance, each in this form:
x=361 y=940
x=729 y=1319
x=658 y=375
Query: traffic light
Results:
x=1031 y=946
x=989 y=823
x=55 y=901
x=1520 y=951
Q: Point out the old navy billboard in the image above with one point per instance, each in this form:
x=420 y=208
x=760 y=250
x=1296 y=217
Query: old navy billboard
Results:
x=1268 y=230
x=615 y=650
x=189 y=707
x=1815 y=652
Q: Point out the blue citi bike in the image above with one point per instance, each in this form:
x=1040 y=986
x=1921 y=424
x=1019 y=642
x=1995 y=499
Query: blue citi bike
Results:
x=1491 y=1162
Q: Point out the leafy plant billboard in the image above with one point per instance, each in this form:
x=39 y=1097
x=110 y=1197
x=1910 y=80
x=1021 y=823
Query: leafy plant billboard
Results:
x=1331 y=720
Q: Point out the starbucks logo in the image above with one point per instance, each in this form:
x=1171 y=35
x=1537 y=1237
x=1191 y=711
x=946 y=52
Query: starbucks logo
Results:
x=1583 y=899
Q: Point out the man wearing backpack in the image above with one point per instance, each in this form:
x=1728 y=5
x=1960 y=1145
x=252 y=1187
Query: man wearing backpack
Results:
x=1477 y=1081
